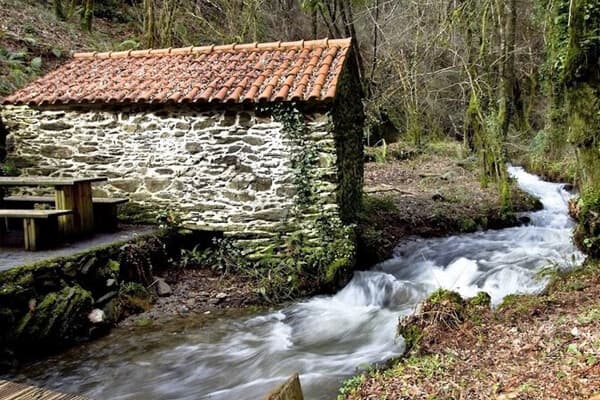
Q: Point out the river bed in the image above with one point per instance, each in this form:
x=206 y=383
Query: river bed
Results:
x=325 y=338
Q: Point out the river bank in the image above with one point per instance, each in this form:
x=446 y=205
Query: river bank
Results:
x=543 y=346
x=197 y=291
x=433 y=192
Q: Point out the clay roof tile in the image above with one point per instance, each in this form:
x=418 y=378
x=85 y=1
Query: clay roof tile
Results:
x=232 y=73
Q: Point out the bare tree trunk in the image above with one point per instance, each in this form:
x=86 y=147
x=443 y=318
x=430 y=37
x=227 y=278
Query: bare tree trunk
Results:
x=165 y=25
x=331 y=18
x=375 y=39
x=348 y=21
x=315 y=23
x=149 y=24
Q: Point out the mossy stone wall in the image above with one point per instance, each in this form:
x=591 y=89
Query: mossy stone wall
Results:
x=581 y=80
x=348 y=124
x=45 y=306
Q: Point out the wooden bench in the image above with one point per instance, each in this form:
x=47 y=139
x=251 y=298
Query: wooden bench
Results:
x=105 y=208
x=40 y=227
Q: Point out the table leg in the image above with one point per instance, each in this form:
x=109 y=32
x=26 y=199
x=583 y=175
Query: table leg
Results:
x=85 y=207
x=77 y=198
x=31 y=233
x=40 y=233
x=65 y=200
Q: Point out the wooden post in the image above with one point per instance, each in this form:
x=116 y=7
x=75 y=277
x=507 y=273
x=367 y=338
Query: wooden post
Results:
x=85 y=206
x=40 y=233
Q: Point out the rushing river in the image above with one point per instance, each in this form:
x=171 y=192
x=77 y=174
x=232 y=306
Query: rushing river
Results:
x=324 y=338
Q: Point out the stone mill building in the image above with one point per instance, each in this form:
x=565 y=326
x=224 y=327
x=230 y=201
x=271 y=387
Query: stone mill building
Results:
x=252 y=140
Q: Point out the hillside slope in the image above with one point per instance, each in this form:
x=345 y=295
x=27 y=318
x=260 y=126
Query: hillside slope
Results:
x=33 y=40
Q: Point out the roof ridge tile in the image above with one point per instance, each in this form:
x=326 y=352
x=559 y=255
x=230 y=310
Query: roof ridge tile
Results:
x=301 y=44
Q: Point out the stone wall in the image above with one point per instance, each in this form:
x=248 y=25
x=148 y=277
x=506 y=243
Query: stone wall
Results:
x=47 y=305
x=222 y=170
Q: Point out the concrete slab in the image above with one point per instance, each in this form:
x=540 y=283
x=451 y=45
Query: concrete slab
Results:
x=15 y=256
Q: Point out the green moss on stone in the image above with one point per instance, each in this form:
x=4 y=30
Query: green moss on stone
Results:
x=482 y=299
x=134 y=298
x=114 y=266
x=441 y=296
x=136 y=213
x=58 y=318
x=411 y=334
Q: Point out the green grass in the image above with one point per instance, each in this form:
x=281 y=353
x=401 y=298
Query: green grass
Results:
x=350 y=386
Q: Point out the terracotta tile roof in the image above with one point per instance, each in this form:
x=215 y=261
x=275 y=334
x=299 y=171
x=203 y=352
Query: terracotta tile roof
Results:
x=245 y=73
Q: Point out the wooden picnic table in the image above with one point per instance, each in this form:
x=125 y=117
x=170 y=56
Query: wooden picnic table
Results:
x=73 y=194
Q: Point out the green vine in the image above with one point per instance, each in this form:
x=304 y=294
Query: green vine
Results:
x=305 y=158
x=314 y=249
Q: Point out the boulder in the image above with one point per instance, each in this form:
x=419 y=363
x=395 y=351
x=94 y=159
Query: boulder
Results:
x=97 y=316
x=162 y=288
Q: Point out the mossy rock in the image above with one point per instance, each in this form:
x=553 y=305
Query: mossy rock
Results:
x=60 y=318
x=443 y=296
x=467 y=225
x=587 y=231
x=482 y=299
x=14 y=294
x=95 y=272
x=7 y=319
x=47 y=279
x=113 y=310
x=443 y=310
x=16 y=290
x=411 y=334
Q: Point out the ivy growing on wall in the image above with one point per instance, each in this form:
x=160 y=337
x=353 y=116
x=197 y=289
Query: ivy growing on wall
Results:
x=3 y=134
x=315 y=249
x=5 y=169
x=305 y=159
x=325 y=255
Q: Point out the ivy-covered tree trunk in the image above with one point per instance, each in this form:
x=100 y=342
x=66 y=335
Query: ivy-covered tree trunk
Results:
x=3 y=134
x=87 y=15
x=581 y=81
x=507 y=25
x=59 y=10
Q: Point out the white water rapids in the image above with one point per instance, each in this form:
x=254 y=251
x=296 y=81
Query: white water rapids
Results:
x=324 y=338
